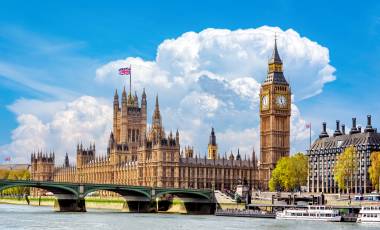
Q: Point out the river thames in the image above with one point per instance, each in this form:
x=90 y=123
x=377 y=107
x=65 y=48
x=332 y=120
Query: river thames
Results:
x=30 y=217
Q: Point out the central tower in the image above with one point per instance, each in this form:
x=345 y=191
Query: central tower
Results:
x=275 y=110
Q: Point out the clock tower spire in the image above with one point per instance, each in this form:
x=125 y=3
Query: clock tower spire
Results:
x=275 y=110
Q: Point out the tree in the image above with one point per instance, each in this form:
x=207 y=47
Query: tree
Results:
x=345 y=167
x=22 y=174
x=290 y=173
x=374 y=169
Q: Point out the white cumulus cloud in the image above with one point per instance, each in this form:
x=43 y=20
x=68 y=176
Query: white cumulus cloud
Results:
x=85 y=119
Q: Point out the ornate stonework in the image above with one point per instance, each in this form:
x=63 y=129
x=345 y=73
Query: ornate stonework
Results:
x=275 y=110
x=137 y=155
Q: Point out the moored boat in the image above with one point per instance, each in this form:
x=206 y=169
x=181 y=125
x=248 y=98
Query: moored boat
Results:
x=369 y=214
x=320 y=213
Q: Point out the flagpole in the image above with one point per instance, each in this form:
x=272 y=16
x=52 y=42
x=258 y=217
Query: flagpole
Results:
x=130 y=79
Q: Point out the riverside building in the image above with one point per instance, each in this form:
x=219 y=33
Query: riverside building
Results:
x=325 y=150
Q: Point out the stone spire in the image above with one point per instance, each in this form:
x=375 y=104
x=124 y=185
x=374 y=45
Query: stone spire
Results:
x=275 y=55
x=275 y=73
x=67 y=163
x=116 y=99
x=156 y=115
x=124 y=96
x=212 y=140
x=238 y=157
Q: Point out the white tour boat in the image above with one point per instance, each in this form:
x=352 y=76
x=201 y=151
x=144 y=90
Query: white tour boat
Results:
x=321 y=213
x=369 y=214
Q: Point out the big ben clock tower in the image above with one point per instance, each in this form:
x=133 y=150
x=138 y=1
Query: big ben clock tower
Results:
x=275 y=110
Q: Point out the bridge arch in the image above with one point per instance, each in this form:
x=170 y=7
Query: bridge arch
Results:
x=55 y=189
x=186 y=194
x=123 y=191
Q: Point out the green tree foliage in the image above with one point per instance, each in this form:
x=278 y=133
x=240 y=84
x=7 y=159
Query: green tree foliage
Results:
x=374 y=169
x=345 y=167
x=23 y=174
x=290 y=173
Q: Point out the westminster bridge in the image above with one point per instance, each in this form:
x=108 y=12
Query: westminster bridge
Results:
x=71 y=196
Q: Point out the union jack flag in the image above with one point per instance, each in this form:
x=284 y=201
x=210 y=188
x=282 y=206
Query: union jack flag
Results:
x=125 y=71
x=7 y=158
x=308 y=125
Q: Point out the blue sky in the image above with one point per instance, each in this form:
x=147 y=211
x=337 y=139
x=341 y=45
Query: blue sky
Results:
x=54 y=48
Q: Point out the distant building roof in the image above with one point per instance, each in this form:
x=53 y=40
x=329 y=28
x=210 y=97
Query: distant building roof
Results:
x=340 y=140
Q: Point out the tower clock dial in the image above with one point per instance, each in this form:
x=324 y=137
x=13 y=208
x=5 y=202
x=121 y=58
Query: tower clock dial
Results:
x=265 y=102
x=281 y=101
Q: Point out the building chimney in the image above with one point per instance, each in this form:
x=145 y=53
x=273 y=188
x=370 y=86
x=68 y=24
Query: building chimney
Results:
x=337 y=130
x=368 y=128
x=323 y=133
x=353 y=129
x=359 y=129
x=343 y=129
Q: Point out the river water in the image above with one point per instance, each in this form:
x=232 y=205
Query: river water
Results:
x=30 y=217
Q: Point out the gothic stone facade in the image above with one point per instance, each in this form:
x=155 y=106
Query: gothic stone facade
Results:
x=325 y=150
x=138 y=155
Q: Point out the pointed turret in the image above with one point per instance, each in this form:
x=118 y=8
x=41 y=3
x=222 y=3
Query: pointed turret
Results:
x=124 y=96
x=116 y=99
x=177 y=138
x=212 y=146
x=67 y=163
x=157 y=123
x=212 y=139
x=275 y=56
x=275 y=74
x=238 y=157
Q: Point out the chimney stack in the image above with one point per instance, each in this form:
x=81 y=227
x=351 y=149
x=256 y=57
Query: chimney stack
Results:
x=337 y=130
x=368 y=128
x=323 y=133
x=353 y=129
x=343 y=129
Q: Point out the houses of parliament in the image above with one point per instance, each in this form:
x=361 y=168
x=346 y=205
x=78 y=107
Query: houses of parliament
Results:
x=138 y=155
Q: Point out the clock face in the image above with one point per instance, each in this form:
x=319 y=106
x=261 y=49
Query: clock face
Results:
x=265 y=101
x=281 y=101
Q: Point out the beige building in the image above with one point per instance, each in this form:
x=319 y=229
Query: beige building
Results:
x=138 y=155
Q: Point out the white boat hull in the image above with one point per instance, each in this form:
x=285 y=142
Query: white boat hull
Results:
x=328 y=219
x=368 y=220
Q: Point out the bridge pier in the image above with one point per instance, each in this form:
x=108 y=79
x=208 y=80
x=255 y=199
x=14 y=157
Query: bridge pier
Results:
x=70 y=205
x=137 y=206
x=185 y=206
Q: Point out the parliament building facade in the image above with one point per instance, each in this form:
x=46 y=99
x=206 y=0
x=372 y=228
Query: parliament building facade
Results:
x=138 y=155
